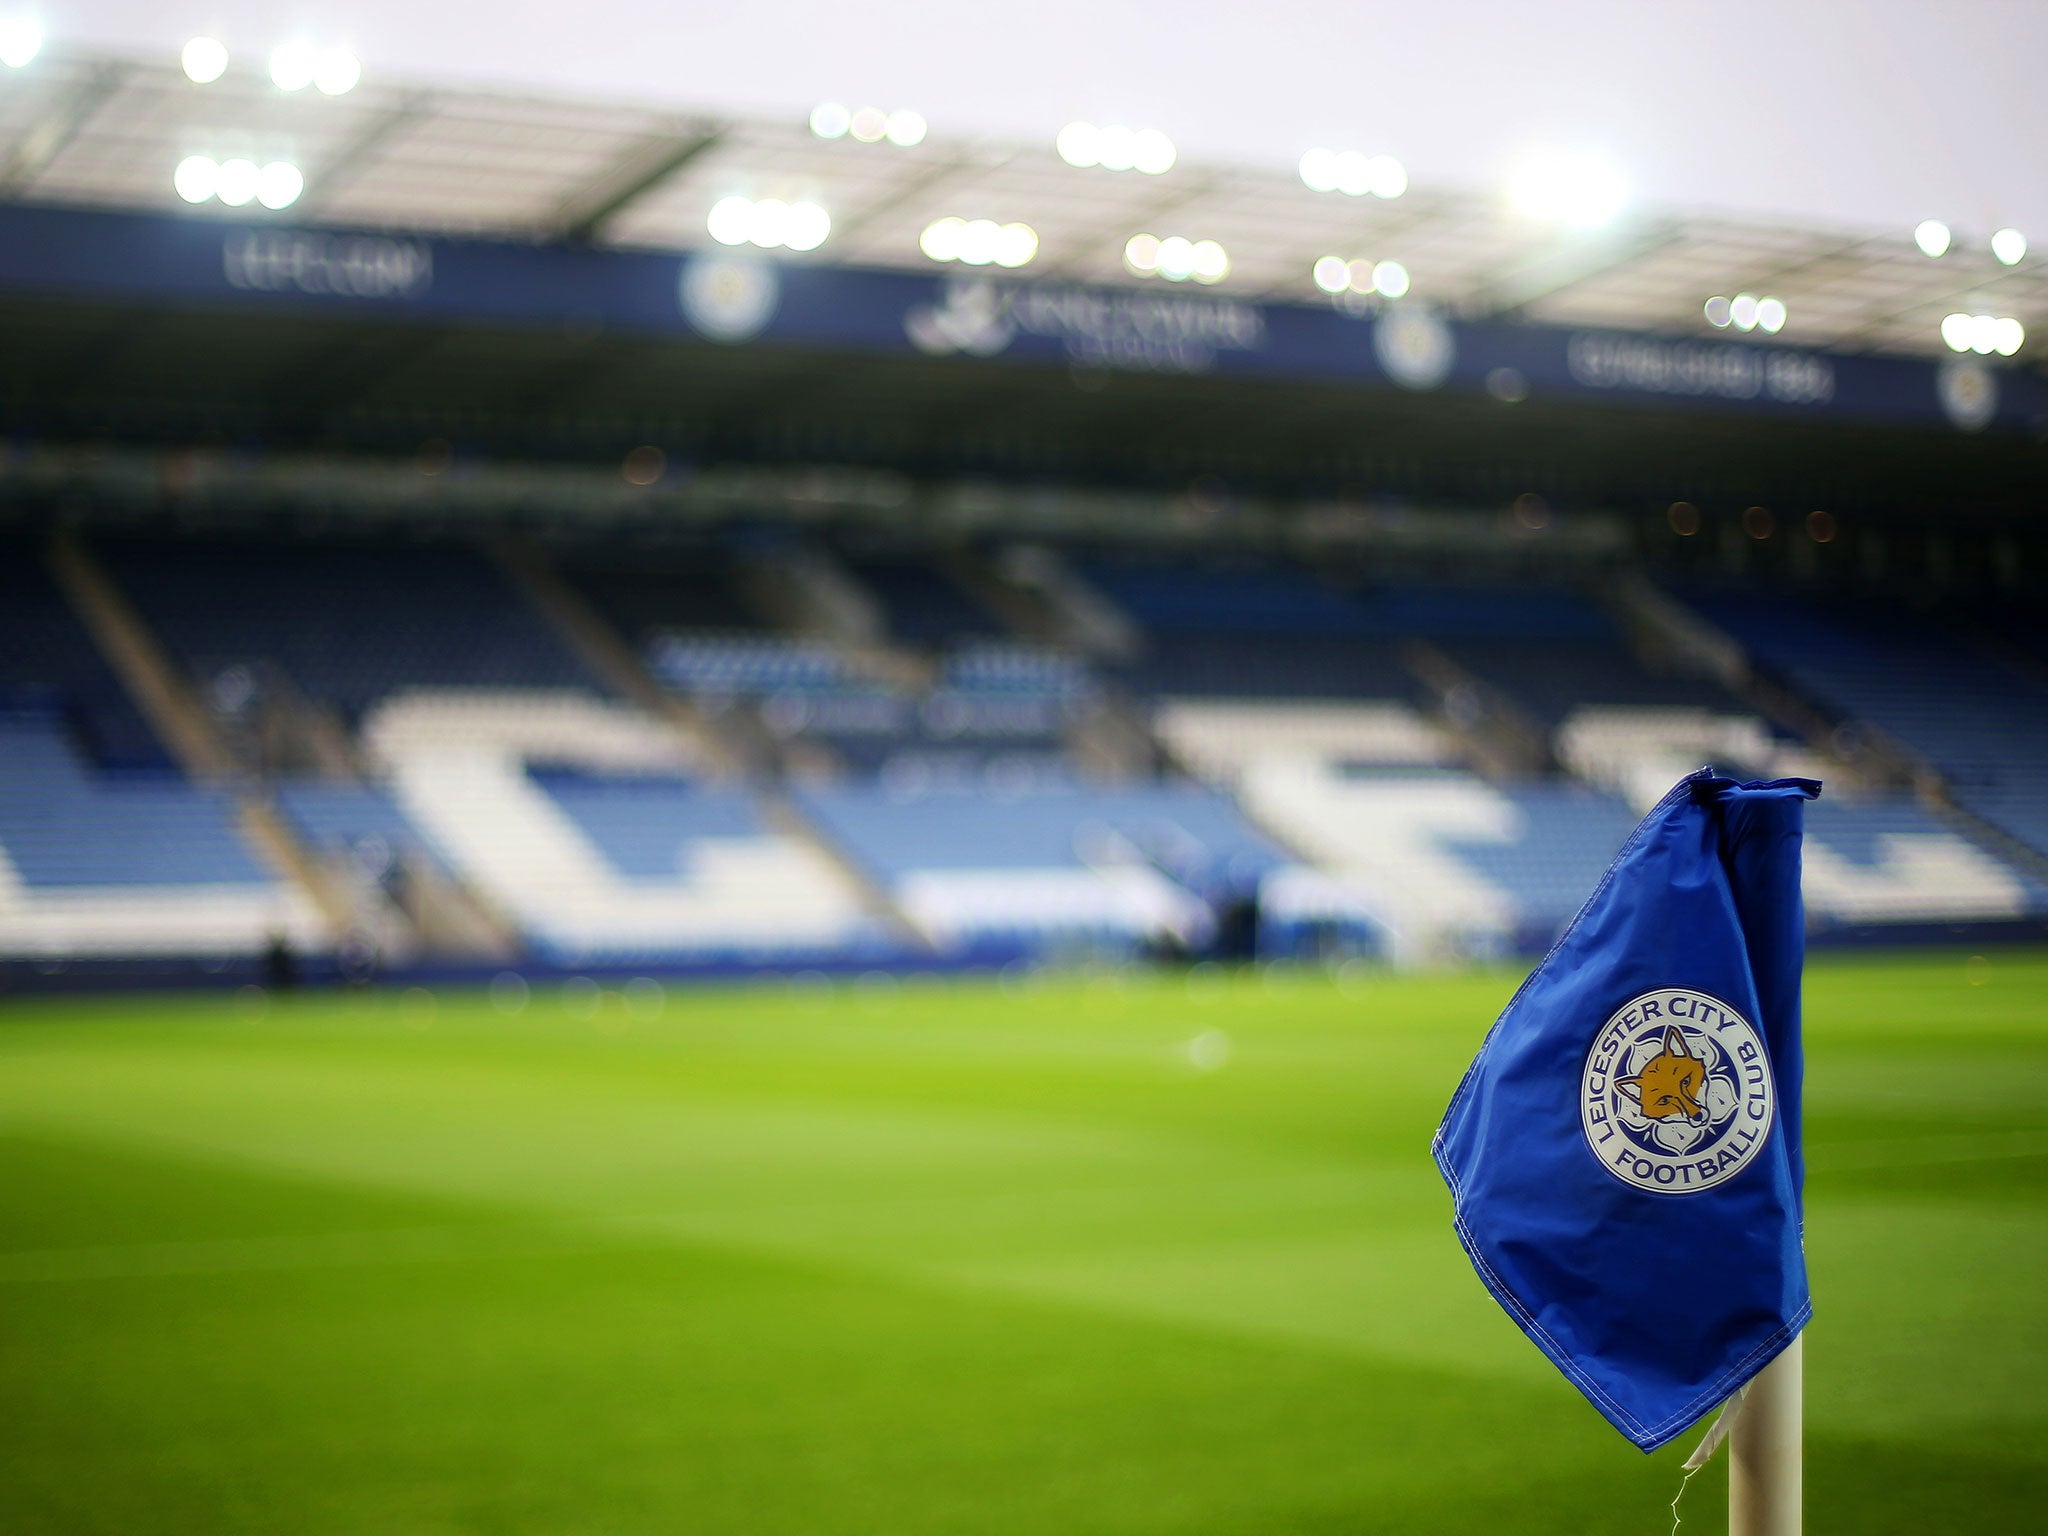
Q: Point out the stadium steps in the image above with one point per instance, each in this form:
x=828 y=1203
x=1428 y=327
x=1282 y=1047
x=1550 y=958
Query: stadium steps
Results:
x=159 y=689
x=1660 y=623
x=167 y=700
x=608 y=655
x=1110 y=740
x=1498 y=737
x=737 y=744
x=1077 y=614
x=1882 y=761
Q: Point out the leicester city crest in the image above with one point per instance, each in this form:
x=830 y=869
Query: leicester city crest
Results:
x=728 y=298
x=1677 y=1094
x=1414 y=345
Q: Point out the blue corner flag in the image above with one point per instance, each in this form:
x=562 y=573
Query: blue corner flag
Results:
x=1624 y=1153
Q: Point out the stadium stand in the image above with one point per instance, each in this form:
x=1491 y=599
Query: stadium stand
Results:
x=1325 y=782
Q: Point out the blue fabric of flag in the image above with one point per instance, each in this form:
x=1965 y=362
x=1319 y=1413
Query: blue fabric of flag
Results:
x=1624 y=1152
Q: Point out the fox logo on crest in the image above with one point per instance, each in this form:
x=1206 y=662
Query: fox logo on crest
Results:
x=1677 y=1094
x=1669 y=1083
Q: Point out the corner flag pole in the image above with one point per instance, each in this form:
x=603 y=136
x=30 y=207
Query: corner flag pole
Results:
x=1765 y=1467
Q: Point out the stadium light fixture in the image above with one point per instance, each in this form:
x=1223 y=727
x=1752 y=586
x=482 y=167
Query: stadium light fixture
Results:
x=1983 y=334
x=1580 y=190
x=769 y=223
x=869 y=125
x=979 y=242
x=1177 y=258
x=292 y=66
x=204 y=60
x=1116 y=148
x=1746 y=312
x=1353 y=174
x=337 y=72
x=1932 y=236
x=2009 y=246
x=21 y=39
x=1336 y=276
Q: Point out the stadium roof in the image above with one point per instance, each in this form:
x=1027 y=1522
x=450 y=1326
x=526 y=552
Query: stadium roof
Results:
x=105 y=131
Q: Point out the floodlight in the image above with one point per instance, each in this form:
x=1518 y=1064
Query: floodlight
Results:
x=941 y=239
x=730 y=220
x=829 y=120
x=2010 y=336
x=1142 y=253
x=237 y=183
x=1117 y=148
x=1332 y=274
x=1572 y=189
x=1387 y=176
x=1955 y=332
x=1717 y=311
x=1390 y=279
x=196 y=178
x=20 y=41
x=1932 y=236
x=1176 y=258
x=978 y=242
x=1155 y=152
x=1770 y=315
x=1319 y=170
x=2009 y=246
x=336 y=72
x=204 y=60
x=279 y=184
x=805 y=227
x=905 y=128
x=1210 y=262
x=292 y=66
x=768 y=224
x=1016 y=244
x=1080 y=144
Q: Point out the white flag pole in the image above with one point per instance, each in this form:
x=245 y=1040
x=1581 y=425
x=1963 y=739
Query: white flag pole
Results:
x=1765 y=1462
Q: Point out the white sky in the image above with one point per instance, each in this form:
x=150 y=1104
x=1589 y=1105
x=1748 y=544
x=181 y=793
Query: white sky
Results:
x=1872 y=113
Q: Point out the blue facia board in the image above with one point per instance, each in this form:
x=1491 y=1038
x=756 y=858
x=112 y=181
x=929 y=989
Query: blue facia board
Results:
x=738 y=299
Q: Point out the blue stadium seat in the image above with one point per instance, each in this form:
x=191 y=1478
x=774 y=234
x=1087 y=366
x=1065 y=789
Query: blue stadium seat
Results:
x=60 y=826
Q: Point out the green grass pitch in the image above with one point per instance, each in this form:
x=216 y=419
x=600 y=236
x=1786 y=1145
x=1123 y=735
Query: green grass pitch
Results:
x=1159 y=1255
